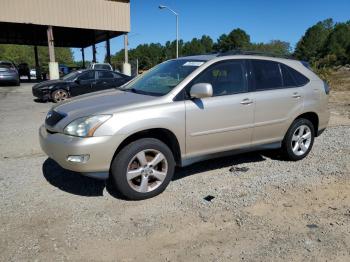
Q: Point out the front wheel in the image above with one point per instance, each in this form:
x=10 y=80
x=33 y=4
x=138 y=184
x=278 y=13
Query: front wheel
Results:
x=143 y=169
x=299 y=140
x=59 y=95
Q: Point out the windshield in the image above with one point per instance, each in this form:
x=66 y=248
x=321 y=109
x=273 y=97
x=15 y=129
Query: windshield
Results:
x=71 y=76
x=164 y=77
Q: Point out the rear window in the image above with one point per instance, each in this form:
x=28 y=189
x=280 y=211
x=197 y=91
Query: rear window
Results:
x=6 y=65
x=103 y=67
x=267 y=75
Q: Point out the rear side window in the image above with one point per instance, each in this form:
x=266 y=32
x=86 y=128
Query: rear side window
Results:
x=267 y=75
x=288 y=78
x=105 y=74
x=88 y=76
x=299 y=78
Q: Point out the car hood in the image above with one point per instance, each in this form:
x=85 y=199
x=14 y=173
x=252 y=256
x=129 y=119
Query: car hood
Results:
x=104 y=102
x=48 y=83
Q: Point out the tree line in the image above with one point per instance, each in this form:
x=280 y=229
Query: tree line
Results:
x=25 y=54
x=149 y=55
x=324 y=44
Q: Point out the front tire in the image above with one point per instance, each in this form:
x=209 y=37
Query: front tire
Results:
x=299 y=140
x=143 y=169
x=59 y=95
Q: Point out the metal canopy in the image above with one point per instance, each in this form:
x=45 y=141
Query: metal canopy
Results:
x=30 y=34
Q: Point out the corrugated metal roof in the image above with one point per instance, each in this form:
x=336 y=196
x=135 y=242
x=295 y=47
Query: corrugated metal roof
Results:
x=87 y=14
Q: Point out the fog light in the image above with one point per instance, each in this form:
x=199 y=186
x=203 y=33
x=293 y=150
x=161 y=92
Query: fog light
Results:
x=78 y=158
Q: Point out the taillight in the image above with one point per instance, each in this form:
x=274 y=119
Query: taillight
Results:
x=326 y=87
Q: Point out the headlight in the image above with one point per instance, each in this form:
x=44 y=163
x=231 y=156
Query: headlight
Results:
x=85 y=126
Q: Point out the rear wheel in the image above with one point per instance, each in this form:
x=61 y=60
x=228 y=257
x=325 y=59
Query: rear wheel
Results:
x=143 y=169
x=59 y=95
x=298 y=140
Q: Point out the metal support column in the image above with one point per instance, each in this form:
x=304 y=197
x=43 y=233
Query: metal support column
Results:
x=94 y=53
x=51 y=44
x=83 y=56
x=37 y=65
x=108 y=50
x=53 y=65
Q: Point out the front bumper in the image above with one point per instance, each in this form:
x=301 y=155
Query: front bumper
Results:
x=100 y=149
x=43 y=94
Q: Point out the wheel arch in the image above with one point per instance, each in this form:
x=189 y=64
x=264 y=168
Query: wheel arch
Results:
x=313 y=118
x=162 y=134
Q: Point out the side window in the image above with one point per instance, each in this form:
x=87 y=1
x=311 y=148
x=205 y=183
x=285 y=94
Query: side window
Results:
x=226 y=78
x=87 y=76
x=117 y=76
x=267 y=75
x=288 y=79
x=105 y=75
x=300 y=79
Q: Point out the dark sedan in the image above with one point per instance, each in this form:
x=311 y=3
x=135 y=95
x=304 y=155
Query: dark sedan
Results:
x=78 y=83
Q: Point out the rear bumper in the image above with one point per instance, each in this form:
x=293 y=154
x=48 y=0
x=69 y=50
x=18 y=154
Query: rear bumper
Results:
x=100 y=150
x=323 y=121
x=9 y=78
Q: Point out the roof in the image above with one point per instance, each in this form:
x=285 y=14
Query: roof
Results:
x=76 y=23
x=247 y=54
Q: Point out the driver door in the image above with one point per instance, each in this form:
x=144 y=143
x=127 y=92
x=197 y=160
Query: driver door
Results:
x=225 y=120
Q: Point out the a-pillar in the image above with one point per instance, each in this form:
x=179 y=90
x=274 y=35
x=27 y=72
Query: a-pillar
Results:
x=53 y=65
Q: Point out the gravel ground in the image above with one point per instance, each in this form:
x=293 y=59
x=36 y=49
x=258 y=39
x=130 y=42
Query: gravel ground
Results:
x=264 y=209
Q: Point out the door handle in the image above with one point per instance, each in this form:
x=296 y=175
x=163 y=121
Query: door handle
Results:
x=296 y=95
x=246 y=101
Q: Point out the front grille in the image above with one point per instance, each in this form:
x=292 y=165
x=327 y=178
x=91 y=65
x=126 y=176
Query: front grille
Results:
x=53 y=118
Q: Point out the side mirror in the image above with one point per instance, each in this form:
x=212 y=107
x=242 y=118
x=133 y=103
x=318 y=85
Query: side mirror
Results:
x=77 y=81
x=201 y=90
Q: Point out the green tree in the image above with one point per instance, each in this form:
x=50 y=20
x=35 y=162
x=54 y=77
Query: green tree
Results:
x=237 y=39
x=276 y=47
x=338 y=43
x=311 y=46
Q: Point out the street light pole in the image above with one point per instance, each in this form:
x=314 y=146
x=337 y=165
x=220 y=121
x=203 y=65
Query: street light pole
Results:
x=177 y=27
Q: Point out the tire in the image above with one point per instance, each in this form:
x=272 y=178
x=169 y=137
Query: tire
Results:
x=144 y=180
x=59 y=95
x=296 y=146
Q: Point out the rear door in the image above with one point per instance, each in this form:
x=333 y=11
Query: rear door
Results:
x=277 y=100
x=106 y=79
x=84 y=84
x=225 y=120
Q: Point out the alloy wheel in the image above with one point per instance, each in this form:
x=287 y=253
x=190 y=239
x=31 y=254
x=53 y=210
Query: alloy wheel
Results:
x=147 y=170
x=61 y=96
x=301 y=140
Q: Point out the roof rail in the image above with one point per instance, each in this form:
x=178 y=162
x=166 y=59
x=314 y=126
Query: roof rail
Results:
x=257 y=53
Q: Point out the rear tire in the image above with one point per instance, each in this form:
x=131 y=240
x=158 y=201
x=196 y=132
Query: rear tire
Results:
x=143 y=169
x=298 y=140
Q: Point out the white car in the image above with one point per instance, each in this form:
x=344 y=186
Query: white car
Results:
x=101 y=66
x=33 y=73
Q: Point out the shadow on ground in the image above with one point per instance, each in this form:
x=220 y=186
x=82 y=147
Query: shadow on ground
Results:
x=77 y=184
x=71 y=182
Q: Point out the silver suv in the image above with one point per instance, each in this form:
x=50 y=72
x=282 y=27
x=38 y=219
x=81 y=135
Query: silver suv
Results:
x=187 y=110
